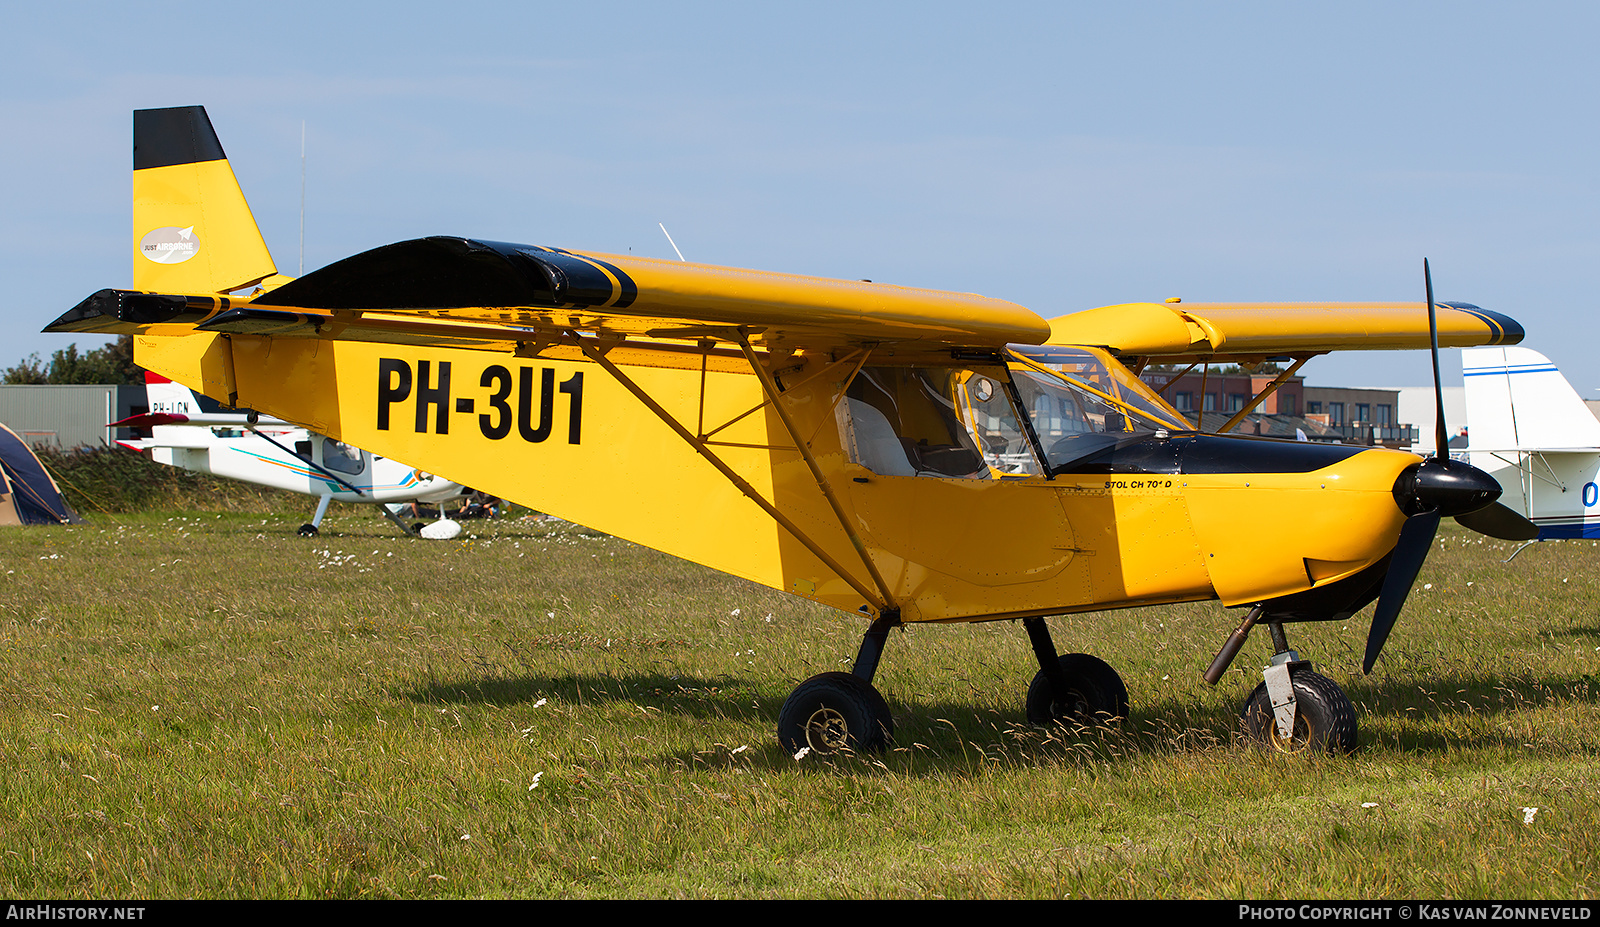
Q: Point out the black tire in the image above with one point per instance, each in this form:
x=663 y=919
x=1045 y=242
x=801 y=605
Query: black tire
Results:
x=308 y=530
x=1324 y=719
x=1095 y=693
x=833 y=712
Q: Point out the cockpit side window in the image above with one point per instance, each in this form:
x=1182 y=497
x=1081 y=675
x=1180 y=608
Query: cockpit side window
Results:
x=999 y=432
x=903 y=421
x=341 y=458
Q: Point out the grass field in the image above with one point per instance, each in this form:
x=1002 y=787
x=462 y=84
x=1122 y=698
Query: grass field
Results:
x=205 y=705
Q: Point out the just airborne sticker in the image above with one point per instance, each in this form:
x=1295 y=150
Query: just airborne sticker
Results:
x=170 y=245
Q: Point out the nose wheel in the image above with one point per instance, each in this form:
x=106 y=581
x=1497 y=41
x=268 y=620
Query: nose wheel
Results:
x=1293 y=710
x=1324 y=720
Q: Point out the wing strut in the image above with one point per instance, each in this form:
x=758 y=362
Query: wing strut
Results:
x=1251 y=405
x=304 y=459
x=771 y=390
x=596 y=354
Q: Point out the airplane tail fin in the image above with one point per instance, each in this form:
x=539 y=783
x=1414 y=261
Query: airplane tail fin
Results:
x=166 y=397
x=1516 y=399
x=192 y=228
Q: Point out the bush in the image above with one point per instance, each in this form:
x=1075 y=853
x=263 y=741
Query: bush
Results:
x=117 y=480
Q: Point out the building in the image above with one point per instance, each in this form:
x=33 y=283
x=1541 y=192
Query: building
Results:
x=1348 y=416
x=69 y=416
x=1197 y=391
x=1363 y=416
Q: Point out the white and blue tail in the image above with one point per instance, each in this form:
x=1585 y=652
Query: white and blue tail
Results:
x=1531 y=430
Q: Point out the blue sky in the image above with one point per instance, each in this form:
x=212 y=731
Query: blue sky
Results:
x=1063 y=155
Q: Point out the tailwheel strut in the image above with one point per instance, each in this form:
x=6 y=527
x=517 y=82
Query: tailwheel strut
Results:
x=837 y=712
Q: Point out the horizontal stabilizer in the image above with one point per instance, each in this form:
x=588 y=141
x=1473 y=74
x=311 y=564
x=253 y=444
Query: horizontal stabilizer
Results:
x=202 y=419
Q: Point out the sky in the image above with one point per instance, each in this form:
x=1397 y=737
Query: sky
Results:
x=1060 y=155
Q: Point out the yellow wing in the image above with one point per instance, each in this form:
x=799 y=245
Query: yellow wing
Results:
x=1226 y=331
x=546 y=289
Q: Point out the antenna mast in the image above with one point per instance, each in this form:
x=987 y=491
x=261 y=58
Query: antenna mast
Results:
x=670 y=241
x=301 y=272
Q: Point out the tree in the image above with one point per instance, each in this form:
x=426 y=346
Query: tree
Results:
x=108 y=364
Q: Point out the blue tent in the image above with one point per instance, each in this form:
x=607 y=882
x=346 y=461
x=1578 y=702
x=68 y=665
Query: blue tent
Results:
x=28 y=495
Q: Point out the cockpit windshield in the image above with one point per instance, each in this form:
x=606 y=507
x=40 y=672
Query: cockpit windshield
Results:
x=1089 y=368
x=964 y=422
x=1080 y=405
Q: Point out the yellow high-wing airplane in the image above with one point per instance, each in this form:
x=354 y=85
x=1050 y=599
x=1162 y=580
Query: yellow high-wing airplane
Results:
x=906 y=454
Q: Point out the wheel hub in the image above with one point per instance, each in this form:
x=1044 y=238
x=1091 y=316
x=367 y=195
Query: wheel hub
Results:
x=1074 y=706
x=1295 y=742
x=827 y=731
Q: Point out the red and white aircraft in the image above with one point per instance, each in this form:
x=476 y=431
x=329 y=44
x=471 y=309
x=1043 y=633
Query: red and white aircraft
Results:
x=193 y=432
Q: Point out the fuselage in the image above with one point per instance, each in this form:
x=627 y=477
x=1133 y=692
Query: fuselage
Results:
x=932 y=497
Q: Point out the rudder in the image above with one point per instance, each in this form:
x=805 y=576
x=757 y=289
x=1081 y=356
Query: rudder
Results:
x=193 y=231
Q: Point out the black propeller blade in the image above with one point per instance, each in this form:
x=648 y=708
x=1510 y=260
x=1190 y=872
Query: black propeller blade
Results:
x=1441 y=434
x=1498 y=521
x=1416 y=537
x=1427 y=491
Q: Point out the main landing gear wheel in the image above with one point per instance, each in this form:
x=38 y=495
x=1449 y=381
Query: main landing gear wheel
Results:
x=1324 y=719
x=308 y=530
x=1095 y=693
x=834 y=712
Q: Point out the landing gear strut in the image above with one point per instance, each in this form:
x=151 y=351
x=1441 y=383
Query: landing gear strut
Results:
x=1293 y=709
x=309 y=530
x=1074 y=687
x=834 y=712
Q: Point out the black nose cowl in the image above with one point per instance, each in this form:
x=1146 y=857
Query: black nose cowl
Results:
x=1445 y=485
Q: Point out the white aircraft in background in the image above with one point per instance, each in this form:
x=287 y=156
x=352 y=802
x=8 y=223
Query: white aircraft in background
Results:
x=1529 y=429
x=195 y=434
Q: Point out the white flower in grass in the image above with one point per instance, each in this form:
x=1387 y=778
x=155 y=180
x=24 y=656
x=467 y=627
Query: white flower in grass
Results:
x=536 y=777
x=801 y=753
x=1527 y=815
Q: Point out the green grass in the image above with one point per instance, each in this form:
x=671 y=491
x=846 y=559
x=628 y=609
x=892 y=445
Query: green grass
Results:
x=205 y=705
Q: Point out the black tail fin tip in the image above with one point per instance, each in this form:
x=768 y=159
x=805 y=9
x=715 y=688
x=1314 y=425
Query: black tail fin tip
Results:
x=179 y=135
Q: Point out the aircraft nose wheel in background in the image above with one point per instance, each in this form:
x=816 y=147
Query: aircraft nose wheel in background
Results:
x=833 y=712
x=1324 y=718
x=308 y=530
x=1094 y=693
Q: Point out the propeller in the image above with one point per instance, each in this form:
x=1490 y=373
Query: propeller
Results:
x=1427 y=491
x=1498 y=521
